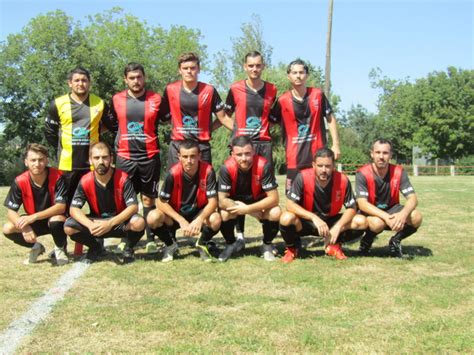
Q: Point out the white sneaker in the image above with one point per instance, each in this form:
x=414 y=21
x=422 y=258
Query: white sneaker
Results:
x=61 y=257
x=228 y=251
x=239 y=235
x=268 y=252
x=35 y=251
x=169 y=252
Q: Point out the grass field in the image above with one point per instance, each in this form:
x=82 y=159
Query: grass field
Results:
x=314 y=305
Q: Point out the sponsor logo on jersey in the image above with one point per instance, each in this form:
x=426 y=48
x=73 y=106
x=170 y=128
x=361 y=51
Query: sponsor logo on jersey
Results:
x=186 y=209
x=253 y=122
x=303 y=130
x=382 y=206
x=189 y=122
x=80 y=132
x=135 y=127
x=106 y=214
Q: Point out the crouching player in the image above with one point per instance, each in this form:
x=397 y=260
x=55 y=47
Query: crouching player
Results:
x=187 y=200
x=247 y=185
x=113 y=207
x=314 y=202
x=42 y=192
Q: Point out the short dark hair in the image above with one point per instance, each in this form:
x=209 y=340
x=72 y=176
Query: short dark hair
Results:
x=297 y=61
x=189 y=144
x=132 y=67
x=188 y=57
x=79 y=70
x=324 y=153
x=382 y=141
x=37 y=148
x=253 y=54
x=240 y=141
x=100 y=145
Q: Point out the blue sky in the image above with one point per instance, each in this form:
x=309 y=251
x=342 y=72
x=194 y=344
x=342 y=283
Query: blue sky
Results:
x=405 y=39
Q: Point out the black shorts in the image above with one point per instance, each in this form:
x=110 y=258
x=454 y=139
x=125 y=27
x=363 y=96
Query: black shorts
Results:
x=41 y=227
x=173 y=151
x=264 y=149
x=290 y=176
x=310 y=229
x=394 y=209
x=71 y=180
x=190 y=217
x=117 y=231
x=145 y=175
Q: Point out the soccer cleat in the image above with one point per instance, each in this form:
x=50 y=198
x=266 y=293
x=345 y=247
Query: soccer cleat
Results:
x=290 y=254
x=93 y=255
x=204 y=252
x=60 y=256
x=239 y=245
x=336 y=251
x=395 y=248
x=35 y=251
x=120 y=248
x=366 y=243
x=228 y=251
x=128 y=255
x=268 y=252
x=151 y=248
x=168 y=254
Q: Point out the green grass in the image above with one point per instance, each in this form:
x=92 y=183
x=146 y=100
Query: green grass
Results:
x=316 y=304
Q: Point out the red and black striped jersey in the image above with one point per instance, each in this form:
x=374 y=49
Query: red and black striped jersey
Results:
x=136 y=123
x=190 y=112
x=252 y=110
x=303 y=125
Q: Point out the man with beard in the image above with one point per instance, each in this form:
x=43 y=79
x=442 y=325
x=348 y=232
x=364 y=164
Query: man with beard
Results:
x=378 y=187
x=189 y=104
x=250 y=100
x=301 y=112
x=314 y=203
x=134 y=113
x=42 y=192
x=247 y=185
x=113 y=207
x=188 y=200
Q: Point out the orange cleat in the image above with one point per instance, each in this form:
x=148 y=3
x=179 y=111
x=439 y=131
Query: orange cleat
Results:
x=336 y=251
x=290 y=255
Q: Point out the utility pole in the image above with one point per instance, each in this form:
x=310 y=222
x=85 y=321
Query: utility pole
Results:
x=327 y=73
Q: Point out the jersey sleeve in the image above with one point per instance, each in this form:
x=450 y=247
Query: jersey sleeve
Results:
x=164 y=111
x=129 y=194
x=211 y=188
x=327 y=109
x=167 y=188
x=275 y=113
x=349 y=199
x=361 y=189
x=51 y=125
x=268 y=179
x=295 y=193
x=79 y=198
x=217 y=104
x=13 y=200
x=230 y=103
x=60 y=191
x=225 y=182
x=406 y=187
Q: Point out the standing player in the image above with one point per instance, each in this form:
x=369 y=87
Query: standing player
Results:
x=135 y=113
x=190 y=104
x=113 y=205
x=72 y=125
x=247 y=185
x=314 y=203
x=42 y=192
x=188 y=200
x=378 y=187
x=301 y=112
x=251 y=101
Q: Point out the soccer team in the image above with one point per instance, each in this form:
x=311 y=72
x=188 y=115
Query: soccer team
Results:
x=191 y=197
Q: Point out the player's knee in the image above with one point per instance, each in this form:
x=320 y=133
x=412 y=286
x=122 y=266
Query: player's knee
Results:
x=70 y=230
x=137 y=223
x=274 y=214
x=215 y=221
x=8 y=228
x=359 y=222
x=376 y=225
x=287 y=218
x=148 y=201
x=226 y=216
x=416 y=218
x=57 y=218
x=155 y=218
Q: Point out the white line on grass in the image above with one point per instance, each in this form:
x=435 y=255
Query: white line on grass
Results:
x=11 y=338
